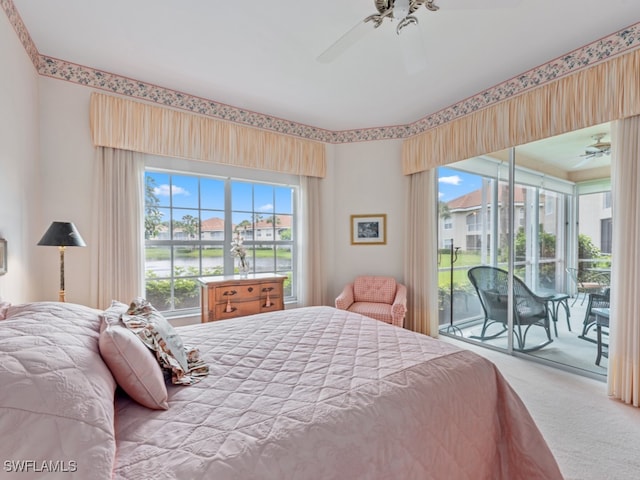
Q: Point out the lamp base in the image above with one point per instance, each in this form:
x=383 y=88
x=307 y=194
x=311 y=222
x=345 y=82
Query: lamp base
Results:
x=61 y=297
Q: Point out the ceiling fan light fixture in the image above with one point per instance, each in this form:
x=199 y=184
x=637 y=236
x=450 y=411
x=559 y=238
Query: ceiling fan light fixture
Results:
x=401 y=9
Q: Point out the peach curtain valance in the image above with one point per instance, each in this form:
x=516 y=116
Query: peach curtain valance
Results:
x=605 y=92
x=121 y=123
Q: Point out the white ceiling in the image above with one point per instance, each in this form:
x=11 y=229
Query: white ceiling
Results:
x=261 y=56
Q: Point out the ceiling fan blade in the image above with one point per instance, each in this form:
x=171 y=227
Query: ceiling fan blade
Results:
x=587 y=159
x=476 y=5
x=413 y=48
x=345 y=41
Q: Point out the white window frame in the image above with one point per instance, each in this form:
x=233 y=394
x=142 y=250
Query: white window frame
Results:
x=181 y=167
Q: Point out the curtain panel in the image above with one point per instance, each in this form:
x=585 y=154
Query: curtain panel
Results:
x=420 y=260
x=125 y=124
x=605 y=92
x=311 y=273
x=624 y=336
x=117 y=256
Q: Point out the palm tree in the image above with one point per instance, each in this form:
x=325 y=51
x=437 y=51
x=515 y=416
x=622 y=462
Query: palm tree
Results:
x=273 y=219
x=443 y=210
x=190 y=226
x=152 y=213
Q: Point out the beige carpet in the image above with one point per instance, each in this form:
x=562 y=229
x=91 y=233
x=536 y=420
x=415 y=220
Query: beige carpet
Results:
x=592 y=436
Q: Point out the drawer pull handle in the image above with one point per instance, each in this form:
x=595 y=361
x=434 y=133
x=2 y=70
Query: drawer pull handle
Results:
x=268 y=301
x=250 y=289
x=229 y=292
x=229 y=308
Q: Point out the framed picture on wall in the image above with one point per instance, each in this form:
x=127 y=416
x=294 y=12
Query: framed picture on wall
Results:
x=369 y=229
x=3 y=256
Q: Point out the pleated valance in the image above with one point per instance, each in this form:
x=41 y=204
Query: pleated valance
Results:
x=125 y=124
x=605 y=92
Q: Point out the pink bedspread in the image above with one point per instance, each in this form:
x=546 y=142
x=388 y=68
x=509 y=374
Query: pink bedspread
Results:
x=319 y=393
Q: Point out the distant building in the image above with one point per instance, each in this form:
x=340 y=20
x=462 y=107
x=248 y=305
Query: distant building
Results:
x=212 y=229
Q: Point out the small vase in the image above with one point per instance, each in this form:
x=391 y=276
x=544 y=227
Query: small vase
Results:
x=243 y=268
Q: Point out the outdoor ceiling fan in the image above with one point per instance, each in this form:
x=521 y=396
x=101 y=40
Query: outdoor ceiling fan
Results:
x=402 y=12
x=595 y=150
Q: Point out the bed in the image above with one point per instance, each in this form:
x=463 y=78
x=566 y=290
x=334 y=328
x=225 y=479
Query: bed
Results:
x=308 y=393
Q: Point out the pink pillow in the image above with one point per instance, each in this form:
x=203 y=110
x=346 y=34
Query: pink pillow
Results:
x=133 y=366
x=4 y=306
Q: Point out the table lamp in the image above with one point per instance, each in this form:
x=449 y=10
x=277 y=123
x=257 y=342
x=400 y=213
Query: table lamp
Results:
x=62 y=235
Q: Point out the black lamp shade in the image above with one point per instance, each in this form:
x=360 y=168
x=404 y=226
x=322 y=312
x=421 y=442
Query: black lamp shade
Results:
x=62 y=234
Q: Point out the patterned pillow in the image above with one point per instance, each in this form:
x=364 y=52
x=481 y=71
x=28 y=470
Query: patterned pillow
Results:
x=133 y=366
x=157 y=333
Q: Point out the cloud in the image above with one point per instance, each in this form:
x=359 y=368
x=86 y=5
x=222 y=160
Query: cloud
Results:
x=266 y=208
x=164 y=191
x=452 y=180
x=440 y=194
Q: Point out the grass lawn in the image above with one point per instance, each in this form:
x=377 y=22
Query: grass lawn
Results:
x=162 y=253
x=460 y=267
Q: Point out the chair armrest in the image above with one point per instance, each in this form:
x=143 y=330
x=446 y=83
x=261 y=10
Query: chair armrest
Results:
x=345 y=299
x=399 y=306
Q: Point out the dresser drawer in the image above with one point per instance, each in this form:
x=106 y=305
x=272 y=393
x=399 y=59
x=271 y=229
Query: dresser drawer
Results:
x=238 y=309
x=275 y=304
x=242 y=296
x=273 y=289
x=245 y=291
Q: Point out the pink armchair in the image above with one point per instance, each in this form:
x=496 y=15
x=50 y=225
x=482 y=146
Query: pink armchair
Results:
x=377 y=297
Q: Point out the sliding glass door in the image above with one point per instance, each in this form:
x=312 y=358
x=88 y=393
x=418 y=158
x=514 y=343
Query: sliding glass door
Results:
x=522 y=236
x=473 y=231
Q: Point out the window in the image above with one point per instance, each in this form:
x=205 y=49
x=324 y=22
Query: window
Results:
x=474 y=222
x=606 y=199
x=189 y=224
x=606 y=235
x=448 y=223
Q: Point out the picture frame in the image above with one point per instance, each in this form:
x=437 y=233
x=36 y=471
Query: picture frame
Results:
x=3 y=256
x=369 y=229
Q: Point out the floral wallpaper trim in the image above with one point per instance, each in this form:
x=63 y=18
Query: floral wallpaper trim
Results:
x=22 y=32
x=608 y=47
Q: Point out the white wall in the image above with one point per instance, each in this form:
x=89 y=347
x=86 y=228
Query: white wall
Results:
x=367 y=179
x=67 y=158
x=19 y=176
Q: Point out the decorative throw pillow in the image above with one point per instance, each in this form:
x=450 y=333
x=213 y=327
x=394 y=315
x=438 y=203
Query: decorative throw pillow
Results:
x=157 y=333
x=133 y=366
x=112 y=314
x=4 y=306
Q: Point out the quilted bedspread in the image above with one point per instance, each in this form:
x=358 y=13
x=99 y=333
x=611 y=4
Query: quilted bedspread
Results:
x=320 y=393
x=56 y=394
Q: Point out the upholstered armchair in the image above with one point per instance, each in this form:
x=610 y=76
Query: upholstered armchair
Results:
x=377 y=297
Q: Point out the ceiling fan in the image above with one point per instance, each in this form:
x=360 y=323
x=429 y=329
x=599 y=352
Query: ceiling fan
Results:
x=402 y=12
x=595 y=150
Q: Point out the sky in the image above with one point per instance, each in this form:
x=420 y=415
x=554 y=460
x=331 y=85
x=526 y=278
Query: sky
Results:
x=246 y=198
x=454 y=183
x=268 y=199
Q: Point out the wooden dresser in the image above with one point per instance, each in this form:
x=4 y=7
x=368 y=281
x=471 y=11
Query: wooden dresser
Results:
x=229 y=296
